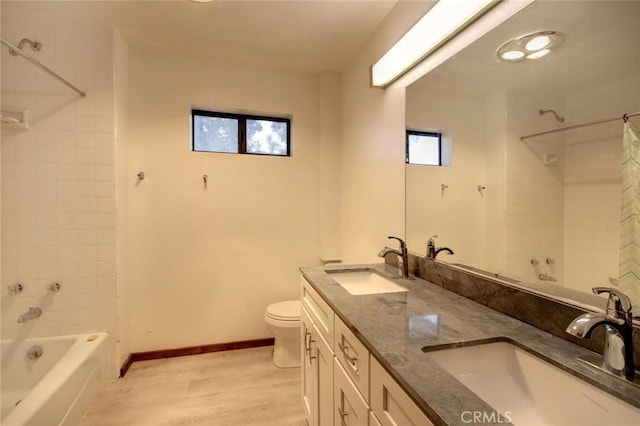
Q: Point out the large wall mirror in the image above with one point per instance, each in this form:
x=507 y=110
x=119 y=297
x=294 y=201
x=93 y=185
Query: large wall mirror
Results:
x=545 y=210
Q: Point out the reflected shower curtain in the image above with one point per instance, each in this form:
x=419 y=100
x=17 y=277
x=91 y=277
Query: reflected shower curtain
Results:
x=629 y=281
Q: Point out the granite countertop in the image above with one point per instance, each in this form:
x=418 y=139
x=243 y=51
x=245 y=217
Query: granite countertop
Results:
x=396 y=326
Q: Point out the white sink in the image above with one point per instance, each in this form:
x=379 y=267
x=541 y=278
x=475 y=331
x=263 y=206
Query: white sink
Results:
x=530 y=390
x=365 y=282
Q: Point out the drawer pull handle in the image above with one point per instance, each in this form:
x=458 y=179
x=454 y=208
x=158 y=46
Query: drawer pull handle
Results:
x=307 y=346
x=311 y=358
x=343 y=415
x=351 y=360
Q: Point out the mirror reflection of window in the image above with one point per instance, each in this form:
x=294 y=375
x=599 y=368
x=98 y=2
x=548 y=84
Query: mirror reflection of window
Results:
x=424 y=148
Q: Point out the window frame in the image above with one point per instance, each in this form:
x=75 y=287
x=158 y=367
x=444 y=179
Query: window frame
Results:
x=242 y=130
x=423 y=133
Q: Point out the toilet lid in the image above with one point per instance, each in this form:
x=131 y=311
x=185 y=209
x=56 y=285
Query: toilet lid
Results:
x=285 y=311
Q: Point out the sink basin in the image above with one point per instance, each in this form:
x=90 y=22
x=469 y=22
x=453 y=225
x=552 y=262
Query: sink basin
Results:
x=530 y=391
x=365 y=282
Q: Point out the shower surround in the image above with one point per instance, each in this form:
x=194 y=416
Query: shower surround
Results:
x=58 y=181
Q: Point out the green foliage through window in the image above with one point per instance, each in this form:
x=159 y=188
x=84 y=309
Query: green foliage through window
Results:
x=239 y=133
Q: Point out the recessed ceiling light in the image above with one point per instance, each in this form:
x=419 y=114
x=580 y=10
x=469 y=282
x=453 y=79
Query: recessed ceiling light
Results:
x=512 y=55
x=202 y=1
x=539 y=54
x=530 y=46
x=537 y=43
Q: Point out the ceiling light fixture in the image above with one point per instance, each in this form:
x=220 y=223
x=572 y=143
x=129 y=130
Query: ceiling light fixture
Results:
x=530 y=46
x=443 y=21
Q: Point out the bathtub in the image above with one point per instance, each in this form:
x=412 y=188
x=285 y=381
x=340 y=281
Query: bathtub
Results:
x=57 y=387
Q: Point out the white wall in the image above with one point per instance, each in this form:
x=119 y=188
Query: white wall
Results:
x=58 y=198
x=204 y=262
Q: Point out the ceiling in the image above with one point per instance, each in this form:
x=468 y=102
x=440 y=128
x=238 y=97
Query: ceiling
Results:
x=305 y=35
x=601 y=44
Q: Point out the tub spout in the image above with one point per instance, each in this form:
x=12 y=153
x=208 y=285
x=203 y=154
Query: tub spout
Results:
x=32 y=313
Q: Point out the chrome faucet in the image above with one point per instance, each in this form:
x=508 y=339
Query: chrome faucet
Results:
x=432 y=251
x=32 y=313
x=403 y=256
x=617 y=357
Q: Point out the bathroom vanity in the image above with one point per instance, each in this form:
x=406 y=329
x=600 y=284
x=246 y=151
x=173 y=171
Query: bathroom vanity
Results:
x=388 y=357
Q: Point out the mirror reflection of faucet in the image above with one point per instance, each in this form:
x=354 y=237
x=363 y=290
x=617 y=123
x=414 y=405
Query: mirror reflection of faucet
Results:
x=547 y=277
x=432 y=251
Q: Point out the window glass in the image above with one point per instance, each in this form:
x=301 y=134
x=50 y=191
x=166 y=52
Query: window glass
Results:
x=215 y=134
x=423 y=148
x=266 y=137
x=240 y=133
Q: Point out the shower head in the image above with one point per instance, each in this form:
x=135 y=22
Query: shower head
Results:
x=555 y=114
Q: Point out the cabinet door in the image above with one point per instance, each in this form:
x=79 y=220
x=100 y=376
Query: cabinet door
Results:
x=391 y=405
x=353 y=356
x=350 y=409
x=323 y=379
x=320 y=312
x=308 y=365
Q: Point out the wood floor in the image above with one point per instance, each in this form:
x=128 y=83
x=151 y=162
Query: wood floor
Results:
x=240 y=387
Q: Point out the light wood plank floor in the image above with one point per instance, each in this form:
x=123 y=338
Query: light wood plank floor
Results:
x=240 y=387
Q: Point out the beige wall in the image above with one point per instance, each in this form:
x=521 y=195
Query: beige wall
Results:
x=204 y=262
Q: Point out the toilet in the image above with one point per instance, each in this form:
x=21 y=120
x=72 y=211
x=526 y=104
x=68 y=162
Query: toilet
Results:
x=283 y=319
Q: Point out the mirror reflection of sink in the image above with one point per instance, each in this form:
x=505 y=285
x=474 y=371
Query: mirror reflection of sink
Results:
x=365 y=281
x=530 y=391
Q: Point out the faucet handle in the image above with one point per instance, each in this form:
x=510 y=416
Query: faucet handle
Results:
x=618 y=305
x=432 y=239
x=402 y=243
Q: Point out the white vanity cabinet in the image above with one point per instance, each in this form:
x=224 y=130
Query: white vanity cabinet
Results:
x=317 y=364
x=350 y=408
x=342 y=384
x=390 y=404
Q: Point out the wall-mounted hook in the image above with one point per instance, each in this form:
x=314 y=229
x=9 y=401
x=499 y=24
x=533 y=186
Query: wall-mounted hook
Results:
x=205 y=178
x=481 y=188
x=140 y=175
x=443 y=187
x=54 y=287
x=15 y=288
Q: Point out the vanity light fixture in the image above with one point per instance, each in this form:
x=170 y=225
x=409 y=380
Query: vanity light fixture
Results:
x=530 y=46
x=443 y=21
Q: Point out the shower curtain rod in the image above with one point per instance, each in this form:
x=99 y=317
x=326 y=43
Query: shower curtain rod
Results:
x=42 y=67
x=576 y=126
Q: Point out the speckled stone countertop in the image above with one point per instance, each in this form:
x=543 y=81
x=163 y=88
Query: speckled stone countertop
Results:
x=394 y=329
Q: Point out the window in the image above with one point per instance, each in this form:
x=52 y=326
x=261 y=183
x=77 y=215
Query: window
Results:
x=240 y=133
x=424 y=148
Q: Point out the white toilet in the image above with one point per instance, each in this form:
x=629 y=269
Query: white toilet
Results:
x=283 y=319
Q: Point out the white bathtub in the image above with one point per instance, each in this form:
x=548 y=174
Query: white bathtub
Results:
x=56 y=388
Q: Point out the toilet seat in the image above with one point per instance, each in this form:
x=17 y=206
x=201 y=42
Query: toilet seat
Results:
x=284 y=311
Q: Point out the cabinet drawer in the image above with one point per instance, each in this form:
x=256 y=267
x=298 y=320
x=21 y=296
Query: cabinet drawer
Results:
x=391 y=405
x=350 y=409
x=353 y=356
x=320 y=312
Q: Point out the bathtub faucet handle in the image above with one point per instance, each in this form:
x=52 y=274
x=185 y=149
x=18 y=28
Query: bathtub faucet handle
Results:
x=54 y=287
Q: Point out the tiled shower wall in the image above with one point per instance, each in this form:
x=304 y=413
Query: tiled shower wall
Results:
x=58 y=200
